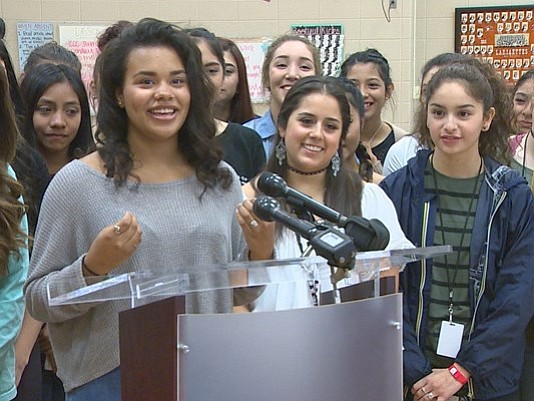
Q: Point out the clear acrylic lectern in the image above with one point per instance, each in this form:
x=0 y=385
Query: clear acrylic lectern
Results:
x=287 y=334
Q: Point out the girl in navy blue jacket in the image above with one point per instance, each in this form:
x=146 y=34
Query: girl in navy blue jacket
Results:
x=465 y=313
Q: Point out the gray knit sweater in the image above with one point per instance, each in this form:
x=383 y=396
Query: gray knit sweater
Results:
x=179 y=230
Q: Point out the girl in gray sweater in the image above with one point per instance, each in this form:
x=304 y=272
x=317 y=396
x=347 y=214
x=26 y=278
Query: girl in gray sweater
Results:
x=155 y=195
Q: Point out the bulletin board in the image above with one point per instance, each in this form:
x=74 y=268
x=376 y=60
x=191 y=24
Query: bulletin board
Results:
x=501 y=36
x=329 y=39
x=253 y=51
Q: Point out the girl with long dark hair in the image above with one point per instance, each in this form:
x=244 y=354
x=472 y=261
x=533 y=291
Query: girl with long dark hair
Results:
x=57 y=118
x=312 y=127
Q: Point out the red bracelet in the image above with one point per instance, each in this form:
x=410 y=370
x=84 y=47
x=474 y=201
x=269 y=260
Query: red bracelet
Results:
x=453 y=370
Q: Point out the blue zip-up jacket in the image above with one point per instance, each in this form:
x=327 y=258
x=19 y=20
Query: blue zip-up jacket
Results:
x=501 y=275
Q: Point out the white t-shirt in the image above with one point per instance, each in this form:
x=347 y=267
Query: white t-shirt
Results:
x=400 y=152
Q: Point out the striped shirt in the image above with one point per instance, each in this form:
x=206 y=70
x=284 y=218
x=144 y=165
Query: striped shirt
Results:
x=455 y=205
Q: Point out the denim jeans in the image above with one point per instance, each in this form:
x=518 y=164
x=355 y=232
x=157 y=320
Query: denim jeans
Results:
x=105 y=388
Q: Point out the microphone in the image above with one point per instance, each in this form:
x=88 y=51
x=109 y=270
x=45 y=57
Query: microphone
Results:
x=328 y=242
x=273 y=185
x=268 y=209
x=367 y=235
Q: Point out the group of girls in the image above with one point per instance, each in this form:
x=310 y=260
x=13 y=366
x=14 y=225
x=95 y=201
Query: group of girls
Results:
x=456 y=192
x=158 y=145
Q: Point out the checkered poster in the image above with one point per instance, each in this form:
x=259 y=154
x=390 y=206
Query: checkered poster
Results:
x=329 y=39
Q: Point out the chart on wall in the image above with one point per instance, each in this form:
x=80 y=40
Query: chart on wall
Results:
x=329 y=39
x=501 y=36
x=31 y=35
x=82 y=40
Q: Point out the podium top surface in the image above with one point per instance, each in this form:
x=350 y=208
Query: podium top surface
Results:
x=181 y=280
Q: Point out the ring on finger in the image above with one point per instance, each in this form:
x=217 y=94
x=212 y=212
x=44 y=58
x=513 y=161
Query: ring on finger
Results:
x=253 y=224
x=117 y=229
x=424 y=391
x=430 y=395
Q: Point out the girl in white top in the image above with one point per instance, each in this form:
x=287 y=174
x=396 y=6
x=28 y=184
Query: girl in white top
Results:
x=312 y=125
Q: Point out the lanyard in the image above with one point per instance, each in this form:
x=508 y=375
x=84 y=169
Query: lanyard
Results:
x=450 y=284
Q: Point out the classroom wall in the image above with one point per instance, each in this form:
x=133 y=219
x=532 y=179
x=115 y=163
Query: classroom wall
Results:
x=434 y=25
x=418 y=30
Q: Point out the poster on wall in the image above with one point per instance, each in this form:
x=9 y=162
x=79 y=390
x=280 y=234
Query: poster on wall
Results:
x=253 y=51
x=31 y=35
x=82 y=40
x=329 y=39
x=501 y=36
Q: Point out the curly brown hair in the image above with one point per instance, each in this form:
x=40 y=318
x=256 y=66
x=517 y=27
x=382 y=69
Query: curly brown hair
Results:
x=11 y=209
x=111 y=33
x=196 y=139
x=483 y=83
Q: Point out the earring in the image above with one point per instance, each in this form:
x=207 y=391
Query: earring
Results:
x=280 y=152
x=119 y=102
x=336 y=163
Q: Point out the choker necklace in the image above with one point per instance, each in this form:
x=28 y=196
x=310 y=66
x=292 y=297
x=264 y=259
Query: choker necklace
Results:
x=293 y=169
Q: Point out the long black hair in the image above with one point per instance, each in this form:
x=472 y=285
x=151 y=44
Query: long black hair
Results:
x=355 y=98
x=241 y=108
x=196 y=137
x=343 y=191
x=14 y=90
x=36 y=82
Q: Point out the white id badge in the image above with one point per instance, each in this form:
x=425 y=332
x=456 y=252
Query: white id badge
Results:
x=450 y=339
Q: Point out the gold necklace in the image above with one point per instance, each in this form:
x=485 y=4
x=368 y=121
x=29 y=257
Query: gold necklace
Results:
x=370 y=141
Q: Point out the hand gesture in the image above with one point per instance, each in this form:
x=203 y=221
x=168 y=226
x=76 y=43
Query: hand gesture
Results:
x=258 y=234
x=113 y=245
